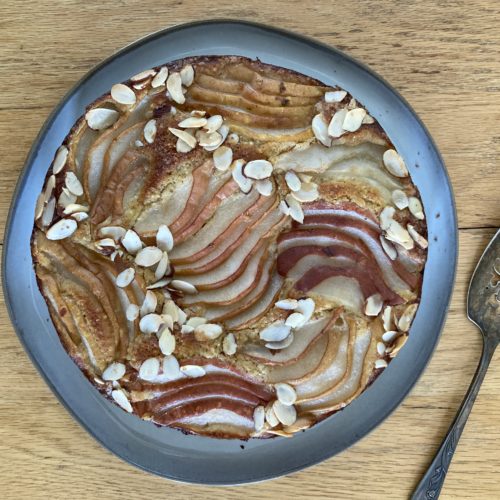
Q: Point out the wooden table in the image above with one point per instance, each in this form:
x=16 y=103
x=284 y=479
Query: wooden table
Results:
x=444 y=56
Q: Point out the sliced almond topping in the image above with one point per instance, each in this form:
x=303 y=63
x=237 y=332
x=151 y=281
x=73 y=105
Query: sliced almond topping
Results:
x=149 y=304
x=114 y=371
x=73 y=184
x=164 y=238
x=40 y=205
x=185 y=329
x=296 y=212
x=125 y=277
x=374 y=305
x=275 y=332
x=264 y=187
x=243 y=182
x=295 y=320
x=193 y=371
x=171 y=367
x=187 y=75
x=209 y=140
x=406 y=318
x=183 y=147
x=258 y=169
x=143 y=75
x=388 y=247
x=60 y=160
x=79 y=216
x=286 y=394
x=353 y=119
x=292 y=180
x=282 y=344
x=389 y=336
x=162 y=267
x=184 y=136
x=380 y=363
x=62 y=229
x=168 y=321
x=271 y=418
x=417 y=237
x=159 y=284
x=214 y=123
x=387 y=318
x=368 y=119
x=174 y=87
x=101 y=118
x=148 y=256
x=208 y=331
x=193 y=122
x=395 y=164
x=115 y=232
x=222 y=131
x=66 y=198
x=160 y=78
x=140 y=85
x=287 y=304
x=105 y=242
x=198 y=112
x=308 y=192
x=229 y=345
x=380 y=348
x=196 y=321
x=49 y=187
x=132 y=312
x=170 y=308
x=48 y=212
x=184 y=286
x=397 y=346
x=259 y=417
x=416 y=208
x=73 y=207
x=123 y=94
x=400 y=199
x=131 y=242
x=300 y=424
x=284 y=208
x=286 y=414
x=150 y=131
x=166 y=341
x=320 y=130
x=233 y=138
x=121 y=399
x=335 y=128
x=150 y=323
x=398 y=234
x=149 y=369
x=223 y=157
x=386 y=217
x=335 y=96
x=306 y=307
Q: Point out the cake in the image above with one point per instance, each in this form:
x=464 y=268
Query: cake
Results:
x=229 y=248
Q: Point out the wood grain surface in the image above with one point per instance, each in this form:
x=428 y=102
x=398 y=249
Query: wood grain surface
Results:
x=444 y=57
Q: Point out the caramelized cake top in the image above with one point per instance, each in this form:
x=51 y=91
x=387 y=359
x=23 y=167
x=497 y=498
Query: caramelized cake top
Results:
x=229 y=248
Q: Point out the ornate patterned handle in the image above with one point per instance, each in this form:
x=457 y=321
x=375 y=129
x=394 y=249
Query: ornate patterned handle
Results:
x=432 y=482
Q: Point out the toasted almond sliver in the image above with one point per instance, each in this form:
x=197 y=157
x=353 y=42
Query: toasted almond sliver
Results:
x=66 y=198
x=296 y=212
x=198 y=112
x=184 y=136
x=150 y=323
x=233 y=139
x=320 y=130
x=74 y=207
x=389 y=248
x=389 y=336
x=160 y=78
x=395 y=164
x=187 y=75
x=80 y=216
x=286 y=393
x=115 y=232
x=271 y=418
x=275 y=332
x=380 y=348
x=223 y=157
x=335 y=127
x=417 y=237
x=149 y=304
x=183 y=286
x=214 y=123
x=398 y=234
x=150 y=131
x=308 y=192
x=40 y=205
x=125 y=277
x=282 y=344
x=387 y=318
x=229 y=345
x=353 y=119
x=114 y=371
x=101 y=118
x=183 y=147
x=105 y=242
x=396 y=346
x=196 y=321
x=174 y=87
x=264 y=187
x=121 y=399
x=380 y=363
x=295 y=320
x=143 y=75
x=222 y=131
x=207 y=331
x=123 y=94
x=258 y=169
x=60 y=160
x=292 y=180
x=148 y=256
x=335 y=96
x=49 y=186
x=62 y=229
x=243 y=182
x=259 y=418
x=415 y=208
x=162 y=267
x=209 y=140
x=131 y=242
x=406 y=318
x=374 y=305
x=400 y=199
x=159 y=284
x=73 y=184
x=192 y=122
x=386 y=217
x=284 y=208
x=171 y=367
x=287 y=304
x=166 y=341
x=306 y=307
x=132 y=312
x=164 y=238
x=368 y=119
x=193 y=371
x=48 y=212
x=286 y=414
x=149 y=369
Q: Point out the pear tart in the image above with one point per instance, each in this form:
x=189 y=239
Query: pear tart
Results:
x=229 y=248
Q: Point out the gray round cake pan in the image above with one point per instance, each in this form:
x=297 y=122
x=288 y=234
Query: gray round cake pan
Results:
x=196 y=459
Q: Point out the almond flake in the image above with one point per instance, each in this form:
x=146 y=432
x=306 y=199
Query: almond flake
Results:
x=415 y=208
x=286 y=414
x=320 y=130
x=132 y=312
x=149 y=369
x=389 y=336
x=259 y=418
x=244 y=183
x=163 y=267
x=143 y=75
x=184 y=136
x=198 y=112
x=398 y=234
x=380 y=363
x=209 y=140
x=149 y=304
x=114 y=371
x=193 y=371
x=284 y=208
x=287 y=304
x=101 y=118
x=374 y=305
x=264 y=187
x=222 y=131
x=335 y=96
x=62 y=229
x=125 y=277
x=387 y=318
x=192 y=122
x=380 y=348
x=214 y=123
x=115 y=232
x=183 y=147
x=73 y=207
x=40 y=205
x=275 y=332
x=394 y=163
x=388 y=247
x=48 y=212
x=296 y=212
x=141 y=85
x=306 y=307
x=406 y=318
x=271 y=418
x=233 y=139
x=208 y=331
x=187 y=75
x=171 y=368
x=397 y=346
x=308 y=192
x=353 y=119
x=80 y=216
x=60 y=160
x=121 y=399
x=105 y=242
x=73 y=184
x=368 y=119
x=123 y=94
x=185 y=329
x=150 y=323
x=49 y=187
x=167 y=321
x=258 y=169
x=160 y=78
x=196 y=321
x=164 y=238
x=292 y=180
x=282 y=344
x=417 y=237
x=131 y=242
x=150 y=131
x=295 y=320
x=174 y=87
x=66 y=198
x=335 y=128
x=148 y=256
x=223 y=157
x=183 y=286
x=386 y=217
x=229 y=345
x=159 y=284
x=400 y=199
x=286 y=393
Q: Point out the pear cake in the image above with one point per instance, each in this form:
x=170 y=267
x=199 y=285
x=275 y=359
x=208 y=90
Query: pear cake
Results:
x=229 y=248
